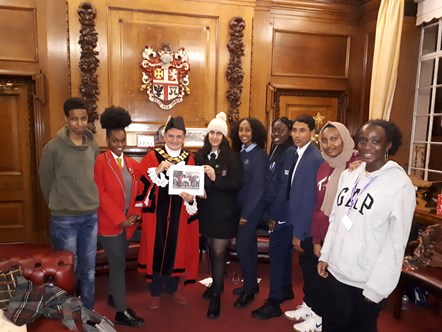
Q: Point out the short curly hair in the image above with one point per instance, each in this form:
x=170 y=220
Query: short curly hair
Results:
x=115 y=118
x=74 y=103
x=259 y=134
x=392 y=132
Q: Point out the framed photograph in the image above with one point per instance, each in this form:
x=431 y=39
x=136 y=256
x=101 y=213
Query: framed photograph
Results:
x=195 y=137
x=186 y=178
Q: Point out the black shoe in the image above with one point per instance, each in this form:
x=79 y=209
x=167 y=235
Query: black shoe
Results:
x=244 y=300
x=208 y=292
x=288 y=294
x=128 y=318
x=214 y=306
x=266 y=311
x=110 y=301
x=239 y=290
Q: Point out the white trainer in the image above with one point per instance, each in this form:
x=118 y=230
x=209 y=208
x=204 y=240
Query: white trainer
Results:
x=302 y=312
x=313 y=323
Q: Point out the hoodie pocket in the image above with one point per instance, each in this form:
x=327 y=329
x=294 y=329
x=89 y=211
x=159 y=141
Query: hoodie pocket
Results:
x=345 y=255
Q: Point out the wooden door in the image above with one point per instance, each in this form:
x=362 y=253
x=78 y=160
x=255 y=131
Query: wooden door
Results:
x=323 y=109
x=17 y=165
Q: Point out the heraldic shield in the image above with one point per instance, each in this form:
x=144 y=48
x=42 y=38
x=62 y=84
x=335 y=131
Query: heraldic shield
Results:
x=165 y=76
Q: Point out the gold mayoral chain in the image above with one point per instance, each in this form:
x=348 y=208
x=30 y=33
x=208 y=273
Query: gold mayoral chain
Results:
x=174 y=160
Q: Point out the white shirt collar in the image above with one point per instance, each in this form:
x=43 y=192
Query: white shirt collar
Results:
x=302 y=150
x=215 y=152
x=249 y=148
x=172 y=153
x=115 y=157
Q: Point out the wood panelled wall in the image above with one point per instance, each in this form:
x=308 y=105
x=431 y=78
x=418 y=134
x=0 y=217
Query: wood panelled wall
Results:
x=319 y=46
x=33 y=42
x=327 y=46
x=34 y=61
x=125 y=28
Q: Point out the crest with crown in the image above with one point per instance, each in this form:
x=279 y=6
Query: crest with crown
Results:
x=165 y=75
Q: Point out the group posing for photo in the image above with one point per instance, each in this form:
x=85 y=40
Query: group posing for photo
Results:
x=346 y=212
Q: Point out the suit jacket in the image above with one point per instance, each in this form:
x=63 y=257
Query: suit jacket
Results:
x=297 y=209
x=112 y=191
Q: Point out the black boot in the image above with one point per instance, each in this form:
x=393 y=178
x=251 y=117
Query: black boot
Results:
x=208 y=292
x=214 y=306
x=211 y=290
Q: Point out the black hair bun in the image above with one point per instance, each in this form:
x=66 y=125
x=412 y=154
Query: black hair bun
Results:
x=115 y=117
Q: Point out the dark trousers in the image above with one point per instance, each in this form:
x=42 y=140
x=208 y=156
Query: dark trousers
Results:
x=347 y=310
x=163 y=283
x=313 y=283
x=280 y=252
x=115 y=248
x=247 y=250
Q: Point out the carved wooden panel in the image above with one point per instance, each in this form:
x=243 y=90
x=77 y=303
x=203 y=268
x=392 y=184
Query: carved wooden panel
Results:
x=18 y=37
x=369 y=41
x=10 y=123
x=310 y=54
x=130 y=33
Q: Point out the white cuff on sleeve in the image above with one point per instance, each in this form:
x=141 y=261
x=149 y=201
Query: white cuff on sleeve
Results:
x=160 y=181
x=191 y=208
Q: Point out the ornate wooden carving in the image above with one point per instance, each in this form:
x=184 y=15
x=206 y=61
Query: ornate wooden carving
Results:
x=235 y=72
x=68 y=48
x=89 y=61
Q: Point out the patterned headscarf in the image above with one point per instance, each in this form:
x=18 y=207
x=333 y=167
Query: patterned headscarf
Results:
x=338 y=163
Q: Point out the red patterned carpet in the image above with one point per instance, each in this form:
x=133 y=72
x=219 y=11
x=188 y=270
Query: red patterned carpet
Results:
x=191 y=317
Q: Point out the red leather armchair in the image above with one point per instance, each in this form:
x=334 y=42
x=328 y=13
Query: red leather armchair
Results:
x=41 y=264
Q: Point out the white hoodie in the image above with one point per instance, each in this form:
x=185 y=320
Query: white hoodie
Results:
x=367 y=252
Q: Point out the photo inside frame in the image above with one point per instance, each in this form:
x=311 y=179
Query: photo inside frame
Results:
x=186 y=178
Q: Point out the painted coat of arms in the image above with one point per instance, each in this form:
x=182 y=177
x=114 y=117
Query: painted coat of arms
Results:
x=165 y=76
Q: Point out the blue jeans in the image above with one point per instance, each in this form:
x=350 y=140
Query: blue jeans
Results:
x=79 y=235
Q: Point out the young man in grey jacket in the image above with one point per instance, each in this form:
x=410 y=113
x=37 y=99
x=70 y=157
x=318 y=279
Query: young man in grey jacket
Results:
x=67 y=182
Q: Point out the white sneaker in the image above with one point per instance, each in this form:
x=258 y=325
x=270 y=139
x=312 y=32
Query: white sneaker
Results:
x=302 y=312
x=313 y=323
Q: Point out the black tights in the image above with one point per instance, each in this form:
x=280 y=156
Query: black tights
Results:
x=217 y=252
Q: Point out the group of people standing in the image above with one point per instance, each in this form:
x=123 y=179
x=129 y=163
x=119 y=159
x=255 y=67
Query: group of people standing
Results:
x=348 y=213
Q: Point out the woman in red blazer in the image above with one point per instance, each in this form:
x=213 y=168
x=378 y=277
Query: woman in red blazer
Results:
x=117 y=177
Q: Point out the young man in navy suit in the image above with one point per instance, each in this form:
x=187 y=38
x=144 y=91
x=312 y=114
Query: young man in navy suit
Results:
x=291 y=214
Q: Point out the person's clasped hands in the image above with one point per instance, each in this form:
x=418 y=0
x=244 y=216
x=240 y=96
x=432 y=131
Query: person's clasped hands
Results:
x=130 y=221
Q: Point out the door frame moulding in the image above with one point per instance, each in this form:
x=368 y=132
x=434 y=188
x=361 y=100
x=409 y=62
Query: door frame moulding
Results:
x=37 y=126
x=277 y=91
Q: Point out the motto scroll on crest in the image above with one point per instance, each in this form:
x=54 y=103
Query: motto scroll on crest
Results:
x=165 y=76
x=235 y=72
x=89 y=62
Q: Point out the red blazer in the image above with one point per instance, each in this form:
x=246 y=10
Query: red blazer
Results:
x=111 y=190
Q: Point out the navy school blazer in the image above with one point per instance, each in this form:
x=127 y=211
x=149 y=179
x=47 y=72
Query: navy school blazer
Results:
x=296 y=210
